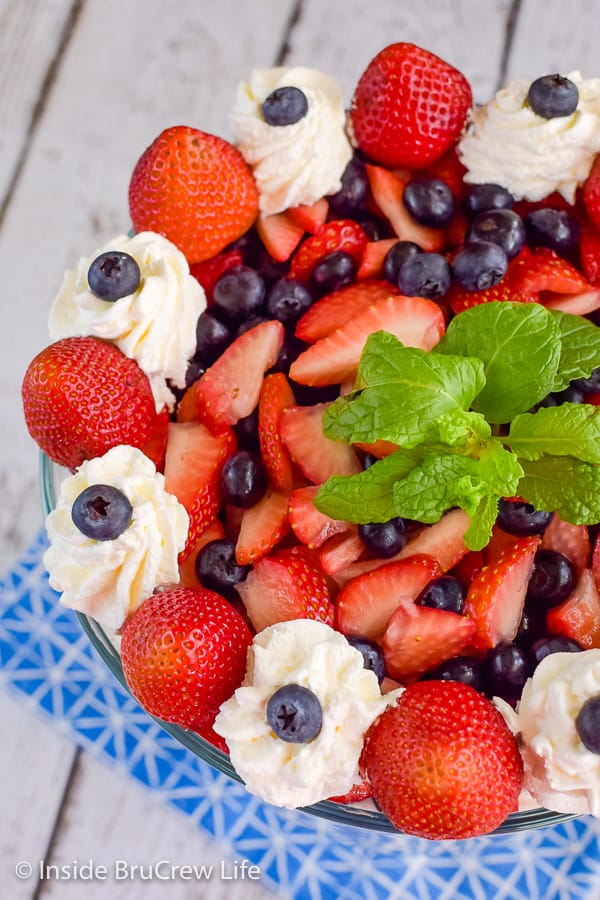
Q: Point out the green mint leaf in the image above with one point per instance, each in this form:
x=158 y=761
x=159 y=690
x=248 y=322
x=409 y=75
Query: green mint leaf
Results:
x=572 y=429
x=564 y=485
x=519 y=344
x=580 y=348
x=455 y=429
x=478 y=533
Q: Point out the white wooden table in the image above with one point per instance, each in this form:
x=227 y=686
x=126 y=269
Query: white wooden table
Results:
x=85 y=85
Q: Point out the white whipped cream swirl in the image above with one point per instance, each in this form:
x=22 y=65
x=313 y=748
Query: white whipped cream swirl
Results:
x=507 y=143
x=155 y=326
x=312 y=654
x=299 y=163
x=108 y=580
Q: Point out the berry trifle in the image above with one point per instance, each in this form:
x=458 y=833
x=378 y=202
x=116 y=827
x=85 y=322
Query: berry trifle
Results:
x=327 y=422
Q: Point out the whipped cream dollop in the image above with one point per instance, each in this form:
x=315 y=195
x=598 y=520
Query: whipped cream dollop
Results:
x=299 y=163
x=155 y=326
x=109 y=579
x=313 y=655
x=560 y=771
x=507 y=143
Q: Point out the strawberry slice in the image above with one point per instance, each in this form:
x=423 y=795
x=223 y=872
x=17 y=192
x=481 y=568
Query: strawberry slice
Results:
x=574 y=304
x=311 y=526
x=333 y=310
x=188 y=408
x=578 y=617
x=358 y=792
x=388 y=190
x=187 y=567
x=229 y=390
x=591 y=193
x=276 y=396
x=496 y=597
x=589 y=248
x=512 y=287
x=193 y=464
x=415 y=321
x=544 y=270
x=209 y=271
x=284 y=586
x=340 y=234
x=262 y=527
x=280 y=235
x=340 y=551
x=419 y=638
x=373 y=256
x=365 y=604
x=310 y=218
x=573 y=541
x=155 y=447
x=316 y=456
x=596 y=560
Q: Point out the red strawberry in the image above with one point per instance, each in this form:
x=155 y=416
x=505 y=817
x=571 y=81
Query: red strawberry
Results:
x=333 y=310
x=310 y=218
x=209 y=271
x=276 y=396
x=188 y=408
x=155 y=447
x=82 y=396
x=229 y=390
x=574 y=304
x=193 y=465
x=542 y=270
x=596 y=560
x=184 y=653
x=262 y=527
x=284 y=586
x=469 y=566
x=310 y=526
x=512 y=287
x=340 y=234
x=373 y=256
x=388 y=192
x=409 y=107
x=187 y=567
x=442 y=762
x=417 y=322
x=496 y=597
x=209 y=734
x=366 y=603
x=449 y=168
x=316 y=456
x=573 y=541
x=358 y=792
x=340 y=551
x=591 y=193
x=578 y=617
x=280 y=235
x=589 y=247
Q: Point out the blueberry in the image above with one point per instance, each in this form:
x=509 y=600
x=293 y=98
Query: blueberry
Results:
x=552 y=579
x=246 y=430
x=239 y=293
x=101 y=512
x=570 y=394
x=291 y=349
x=288 y=299
x=551 y=96
x=429 y=201
x=350 y=200
x=479 y=265
x=532 y=627
x=334 y=271
x=520 y=518
x=499 y=226
x=372 y=655
x=465 y=669
x=251 y=322
x=587 y=724
x=485 y=197
x=506 y=669
x=545 y=646
x=295 y=714
x=369 y=460
x=588 y=385
x=243 y=479
x=383 y=539
x=217 y=568
x=376 y=228
x=443 y=593
x=113 y=275
x=285 y=106
x=397 y=255
x=309 y=396
x=552 y=228
x=425 y=275
x=212 y=337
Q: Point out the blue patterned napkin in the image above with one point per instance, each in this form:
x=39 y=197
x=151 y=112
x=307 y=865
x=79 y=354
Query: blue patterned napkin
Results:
x=45 y=655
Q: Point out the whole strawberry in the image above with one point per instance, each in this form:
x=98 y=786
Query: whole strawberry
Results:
x=195 y=189
x=82 y=396
x=442 y=762
x=409 y=107
x=184 y=653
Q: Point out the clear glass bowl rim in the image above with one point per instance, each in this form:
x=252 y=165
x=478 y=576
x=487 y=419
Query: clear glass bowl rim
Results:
x=342 y=814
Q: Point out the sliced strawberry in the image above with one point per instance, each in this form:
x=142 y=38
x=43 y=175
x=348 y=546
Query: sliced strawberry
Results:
x=358 y=792
x=311 y=526
x=188 y=408
x=591 y=193
x=209 y=271
x=316 y=456
x=596 y=560
x=155 y=447
x=500 y=542
x=469 y=566
x=340 y=234
x=193 y=465
x=229 y=390
x=280 y=235
x=187 y=567
x=512 y=287
x=573 y=541
x=340 y=551
x=378 y=448
x=335 y=309
x=371 y=264
x=388 y=190
x=578 y=617
x=544 y=270
x=276 y=396
x=310 y=218
x=262 y=527
x=284 y=586
x=496 y=597
x=419 y=638
x=589 y=248
x=574 y=304
x=415 y=321
x=365 y=604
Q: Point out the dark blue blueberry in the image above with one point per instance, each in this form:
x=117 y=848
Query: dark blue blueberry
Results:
x=295 y=714
x=217 y=568
x=479 y=265
x=383 y=539
x=587 y=724
x=350 y=200
x=588 y=385
x=552 y=96
x=372 y=655
x=251 y=322
x=499 y=226
x=369 y=460
x=113 y=275
x=552 y=228
x=532 y=627
x=571 y=394
x=397 y=255
x=429 y=201
x=376 y=228
x=465 y=669
x=545 y=646
x=291 y=349
x=239 y=293
x=101 y=512
x=425 y=275
x=246 y=430
x=288 y=299
x=506 y=669
x=484 y=197
x=520 y=518
x=194 y=371
x=243 y=479
x=309 y=396
x=443 y=593
x=285 y=106
x=334 y=271
x=552 y=579
x=212 y=337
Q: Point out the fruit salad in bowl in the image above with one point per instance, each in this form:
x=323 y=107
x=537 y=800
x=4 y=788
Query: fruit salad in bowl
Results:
x=321 y=445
